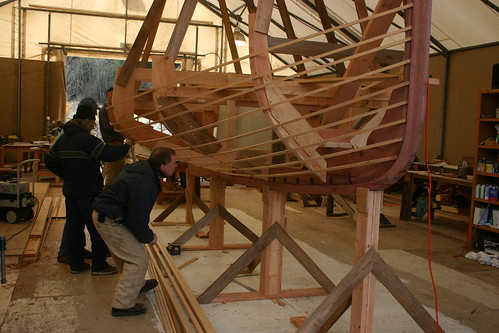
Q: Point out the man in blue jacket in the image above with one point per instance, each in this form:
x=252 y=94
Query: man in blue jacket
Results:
x=75 y=156
x=121 y=217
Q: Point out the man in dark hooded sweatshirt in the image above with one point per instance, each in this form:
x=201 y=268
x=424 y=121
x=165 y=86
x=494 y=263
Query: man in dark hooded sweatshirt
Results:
x=122 y=218
x=75 y=156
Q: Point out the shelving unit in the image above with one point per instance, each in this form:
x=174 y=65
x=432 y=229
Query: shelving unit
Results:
x=485 y=149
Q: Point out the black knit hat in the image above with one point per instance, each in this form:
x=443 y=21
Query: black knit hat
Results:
x=89 y=101
x=85 y=112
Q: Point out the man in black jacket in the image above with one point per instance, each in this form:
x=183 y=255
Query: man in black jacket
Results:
x=75 y=156
x=121 y=217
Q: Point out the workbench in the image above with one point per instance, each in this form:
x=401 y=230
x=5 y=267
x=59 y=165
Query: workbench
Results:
x=408 y=188
x=23 y=152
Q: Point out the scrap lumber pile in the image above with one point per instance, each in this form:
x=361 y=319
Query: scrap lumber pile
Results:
x=178 y=307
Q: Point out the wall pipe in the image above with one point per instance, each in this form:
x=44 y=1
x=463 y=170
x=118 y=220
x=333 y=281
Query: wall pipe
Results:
x=441 y=145
x=46 y=114
x=19 y=67
x=196 y=50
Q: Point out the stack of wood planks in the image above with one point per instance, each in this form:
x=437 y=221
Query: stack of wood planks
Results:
x=48 y=210
x=178 y=307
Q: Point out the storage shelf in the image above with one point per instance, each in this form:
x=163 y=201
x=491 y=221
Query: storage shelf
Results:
x=487 y=174
x=488 y=147
x=484 y=227
x=496 y=203
x=489 y=120
x=486 y=129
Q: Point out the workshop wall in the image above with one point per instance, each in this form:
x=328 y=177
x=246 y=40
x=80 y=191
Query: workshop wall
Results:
x=469 y=72
x=33 y=96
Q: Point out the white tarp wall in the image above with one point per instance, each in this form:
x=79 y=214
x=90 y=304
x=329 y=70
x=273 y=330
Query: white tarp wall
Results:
x=100 y=28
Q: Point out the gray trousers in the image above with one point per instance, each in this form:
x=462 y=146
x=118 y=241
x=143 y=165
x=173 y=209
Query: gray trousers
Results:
x=131 y=260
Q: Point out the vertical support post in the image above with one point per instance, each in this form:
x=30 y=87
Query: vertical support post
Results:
x=367 y=235
x=217 y=197
x=271 y=265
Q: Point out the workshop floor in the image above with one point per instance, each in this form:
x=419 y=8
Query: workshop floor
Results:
x=43 y=296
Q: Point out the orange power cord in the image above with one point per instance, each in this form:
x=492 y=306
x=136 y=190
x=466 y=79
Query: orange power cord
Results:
x=429 y=201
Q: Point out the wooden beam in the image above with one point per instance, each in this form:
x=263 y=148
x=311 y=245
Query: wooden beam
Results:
x=335 y=300
x=404 y=296
x=233 y=221
x=230 y=35
x=330 y=36
x=150 y=24
x=164 y=214
x=180 y=29
x=203 y=222
x=271 y=265
x=217 y=198
x=361 y=8
x=304 y=259
x=367 y=233
x=375 y=27
x=344 y=205
x=290 y=33
x=311 y=49
x=216 y=287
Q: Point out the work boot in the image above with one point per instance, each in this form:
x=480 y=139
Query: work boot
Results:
x=83 y=268
x=64 y=259
x=150 y=284
x=105 y=271
x=135 y=310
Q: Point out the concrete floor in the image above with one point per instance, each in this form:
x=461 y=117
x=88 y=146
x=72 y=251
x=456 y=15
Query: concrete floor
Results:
x=44 y=296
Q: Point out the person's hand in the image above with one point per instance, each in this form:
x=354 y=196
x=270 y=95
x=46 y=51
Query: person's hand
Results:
x=154 y=240
x=129 y=142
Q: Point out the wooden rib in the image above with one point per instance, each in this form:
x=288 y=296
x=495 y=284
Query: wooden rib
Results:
x=290 y=99
x=273 y=48
x=150 y=22
x=348 y=80
x=359 y=65
x=303 y=145
x=230 y=35
x=306 y=172
x=394 y=123
x=288 y=27
x=315 y=113
x=334 y=138
x=330 y=36
x=165 y=83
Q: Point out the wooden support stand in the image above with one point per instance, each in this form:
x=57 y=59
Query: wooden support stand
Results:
x=359 y=282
